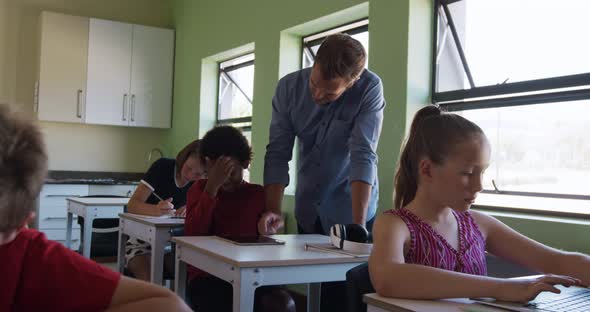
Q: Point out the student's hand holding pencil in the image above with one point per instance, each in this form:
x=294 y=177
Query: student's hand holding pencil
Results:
x=166 y=207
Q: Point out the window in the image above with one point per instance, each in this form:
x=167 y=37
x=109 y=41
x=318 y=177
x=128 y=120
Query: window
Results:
x=358 y=30
x=520 y=70
x=236 y=87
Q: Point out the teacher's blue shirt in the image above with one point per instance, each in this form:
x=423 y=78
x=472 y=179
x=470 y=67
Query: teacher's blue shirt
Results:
x=337 y=145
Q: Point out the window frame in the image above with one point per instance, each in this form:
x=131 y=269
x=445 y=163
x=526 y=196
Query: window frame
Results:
x=555 y=89
x=306 y=45
x=225 y=71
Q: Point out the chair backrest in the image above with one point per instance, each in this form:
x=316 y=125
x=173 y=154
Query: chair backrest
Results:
x=358 y=283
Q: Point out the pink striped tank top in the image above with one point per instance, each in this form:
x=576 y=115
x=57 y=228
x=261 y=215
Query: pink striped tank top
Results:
x=427 y=247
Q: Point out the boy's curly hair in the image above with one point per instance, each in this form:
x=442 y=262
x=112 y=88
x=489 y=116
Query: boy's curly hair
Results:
x=23 y=167
x=225 y=141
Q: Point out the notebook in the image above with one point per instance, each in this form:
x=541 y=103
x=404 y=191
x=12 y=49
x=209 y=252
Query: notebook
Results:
x=571 y=299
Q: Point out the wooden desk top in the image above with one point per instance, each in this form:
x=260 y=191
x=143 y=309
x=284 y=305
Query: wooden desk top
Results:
x=152 y=221
x=99 y=201
x=291 y=253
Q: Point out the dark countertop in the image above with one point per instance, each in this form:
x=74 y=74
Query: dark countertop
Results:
x=93 y=177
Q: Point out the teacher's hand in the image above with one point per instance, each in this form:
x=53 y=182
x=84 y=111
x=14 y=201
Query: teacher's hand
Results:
x=270 y=223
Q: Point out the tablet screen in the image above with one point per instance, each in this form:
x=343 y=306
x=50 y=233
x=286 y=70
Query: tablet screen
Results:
x=252 y=240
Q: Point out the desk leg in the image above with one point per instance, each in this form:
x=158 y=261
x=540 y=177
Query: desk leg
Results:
x=180 y=275
x=87 y=234
x=243 y=297
x=121 y=250
x=160 y=238
x=314 y=291
x=69 y=231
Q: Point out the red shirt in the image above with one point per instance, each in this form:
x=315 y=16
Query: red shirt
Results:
x=41 y=275
x=228 y=214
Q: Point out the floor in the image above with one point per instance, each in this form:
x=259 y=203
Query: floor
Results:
x=110 y=265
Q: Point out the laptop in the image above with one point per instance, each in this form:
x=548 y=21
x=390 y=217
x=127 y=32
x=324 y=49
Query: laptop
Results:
x=571 y=299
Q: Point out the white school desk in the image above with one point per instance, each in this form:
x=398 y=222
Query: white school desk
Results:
x=376 y=303
x=248 y=267
x=92 y=208
x=153 y=230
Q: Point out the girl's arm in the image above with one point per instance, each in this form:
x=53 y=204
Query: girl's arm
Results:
x=392 y=277
x=508 y=244
x=138 y=205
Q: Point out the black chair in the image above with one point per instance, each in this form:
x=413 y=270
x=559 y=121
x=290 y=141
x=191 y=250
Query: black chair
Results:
x=105 y=236
x=358 y=283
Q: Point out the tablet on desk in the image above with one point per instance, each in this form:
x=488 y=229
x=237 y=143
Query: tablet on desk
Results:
x=252 y=240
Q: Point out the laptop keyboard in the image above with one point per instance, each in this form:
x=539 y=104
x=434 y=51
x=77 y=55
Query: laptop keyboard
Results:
x=577 y=300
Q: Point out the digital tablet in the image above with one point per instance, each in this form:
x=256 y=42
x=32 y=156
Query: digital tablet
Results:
x=252 y=240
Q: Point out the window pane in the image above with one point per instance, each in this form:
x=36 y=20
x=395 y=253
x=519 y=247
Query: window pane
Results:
x=511 y=41
x=363 y=37
x=539 y=148
x=248 y=135
x=236 y=88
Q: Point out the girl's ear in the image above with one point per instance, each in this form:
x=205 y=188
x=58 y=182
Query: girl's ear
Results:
x=425 y=169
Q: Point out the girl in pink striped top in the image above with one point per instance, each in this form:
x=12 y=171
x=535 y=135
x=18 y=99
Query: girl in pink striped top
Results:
x=432 y=246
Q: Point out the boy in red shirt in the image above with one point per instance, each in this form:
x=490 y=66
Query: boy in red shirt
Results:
x=42 y=275
x=226 y=205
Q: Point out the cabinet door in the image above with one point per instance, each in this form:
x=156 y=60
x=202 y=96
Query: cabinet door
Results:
x=111 y=190
x=109 y=72
x=52 y=211
x=63 y=63
x=151 y=77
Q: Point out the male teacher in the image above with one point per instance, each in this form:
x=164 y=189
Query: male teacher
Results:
x=335 y=109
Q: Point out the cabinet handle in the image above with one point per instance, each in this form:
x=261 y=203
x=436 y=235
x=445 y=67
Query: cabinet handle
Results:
x=54 y=218
x=68 y=195
x=124 y=117
x=78 y=109
x=132 y=107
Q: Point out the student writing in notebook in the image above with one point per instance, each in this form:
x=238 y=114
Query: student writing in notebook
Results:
x=226 y=205
x=432 y=235
x=41 y=275
x=162 y=191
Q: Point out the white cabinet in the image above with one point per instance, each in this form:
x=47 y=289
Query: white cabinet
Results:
x=63 y=64
x=52 y=211
x=109 y=72
x=151 y=77
x=119 y=73
x=111 y=190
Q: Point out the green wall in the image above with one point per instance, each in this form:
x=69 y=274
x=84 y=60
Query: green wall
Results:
x=204 y=29
x=400 y=53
